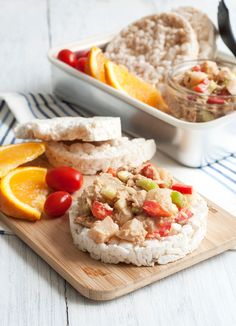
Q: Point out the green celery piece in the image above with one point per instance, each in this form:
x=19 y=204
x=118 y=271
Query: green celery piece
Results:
x=212 y=86
x=178 y=199
x=123 y=175
x=146 y=184
x=108 y=192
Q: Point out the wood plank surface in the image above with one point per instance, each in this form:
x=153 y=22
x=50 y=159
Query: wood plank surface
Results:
x=51 y=239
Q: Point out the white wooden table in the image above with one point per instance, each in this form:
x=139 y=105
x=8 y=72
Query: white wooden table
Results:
x=31 y=293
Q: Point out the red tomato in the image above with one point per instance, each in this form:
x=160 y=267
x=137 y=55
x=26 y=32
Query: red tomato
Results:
x=57 y=203
x=184 y=189
x=149 y=171
x=163 y=231
x=215 y=100
x=82 y=54
x=64 y=178
x=101 y=210
x=183 y=215
x=202 y=87
x=154 y=209
x=81 y=64
x=68 y=57
x=111 y=171
x=196 y=68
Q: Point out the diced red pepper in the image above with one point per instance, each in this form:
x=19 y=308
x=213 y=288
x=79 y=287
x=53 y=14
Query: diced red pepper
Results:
x=149 y=171
x=154 y=209
x=196 y=68
x=184 y=189
x=111 y=171
x=183 y=215
x=101 y=210
x=215 y=100
x=162 y=231
x=200 y=88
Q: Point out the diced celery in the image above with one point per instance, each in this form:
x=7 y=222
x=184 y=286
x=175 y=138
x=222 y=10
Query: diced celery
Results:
x=178 y=199
x=206 y=115
x=108 y=192
x=212 y=86
x=146 y=184
x=120 y=204
x=124 y=175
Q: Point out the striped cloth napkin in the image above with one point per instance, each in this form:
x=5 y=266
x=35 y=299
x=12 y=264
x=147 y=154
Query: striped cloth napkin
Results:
x=216 y=181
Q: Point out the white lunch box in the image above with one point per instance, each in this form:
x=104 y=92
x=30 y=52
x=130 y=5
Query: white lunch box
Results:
x=192 y=144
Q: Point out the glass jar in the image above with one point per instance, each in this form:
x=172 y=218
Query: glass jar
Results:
x=189 y=105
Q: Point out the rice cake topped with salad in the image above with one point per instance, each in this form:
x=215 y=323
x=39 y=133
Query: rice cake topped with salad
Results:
x=138 y=215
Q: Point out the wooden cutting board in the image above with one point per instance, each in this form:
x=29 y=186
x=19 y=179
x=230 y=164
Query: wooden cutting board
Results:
x=51 y=240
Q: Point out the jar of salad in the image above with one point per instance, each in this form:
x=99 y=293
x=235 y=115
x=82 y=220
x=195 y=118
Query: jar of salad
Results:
x=200 y=91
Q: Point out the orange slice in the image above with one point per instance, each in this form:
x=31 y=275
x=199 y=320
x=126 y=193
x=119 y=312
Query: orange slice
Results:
x=23 y=192
x=11 y=156
x=120 y=78
x=95 y=64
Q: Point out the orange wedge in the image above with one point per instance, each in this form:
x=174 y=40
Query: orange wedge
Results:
x=11 y=156
x=95 y=64
x=120 y=78
x=23 y=192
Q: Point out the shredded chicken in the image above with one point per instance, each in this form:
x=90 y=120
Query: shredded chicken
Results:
x=102 y=231
x=133 y=231
x=149 y=224
x=86 y=221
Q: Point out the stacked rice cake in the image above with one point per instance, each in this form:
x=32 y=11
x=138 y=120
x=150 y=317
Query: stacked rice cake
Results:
x=90 y=145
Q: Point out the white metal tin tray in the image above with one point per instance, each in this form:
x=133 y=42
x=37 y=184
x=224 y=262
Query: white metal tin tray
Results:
x=192 y=144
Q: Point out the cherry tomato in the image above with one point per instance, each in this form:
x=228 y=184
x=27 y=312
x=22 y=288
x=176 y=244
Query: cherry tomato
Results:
x=57 y=203
x=82 y=54
x=101 y=210
x=64 y=178
x=68 y=57
x=81 y=64
x=154 y=209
